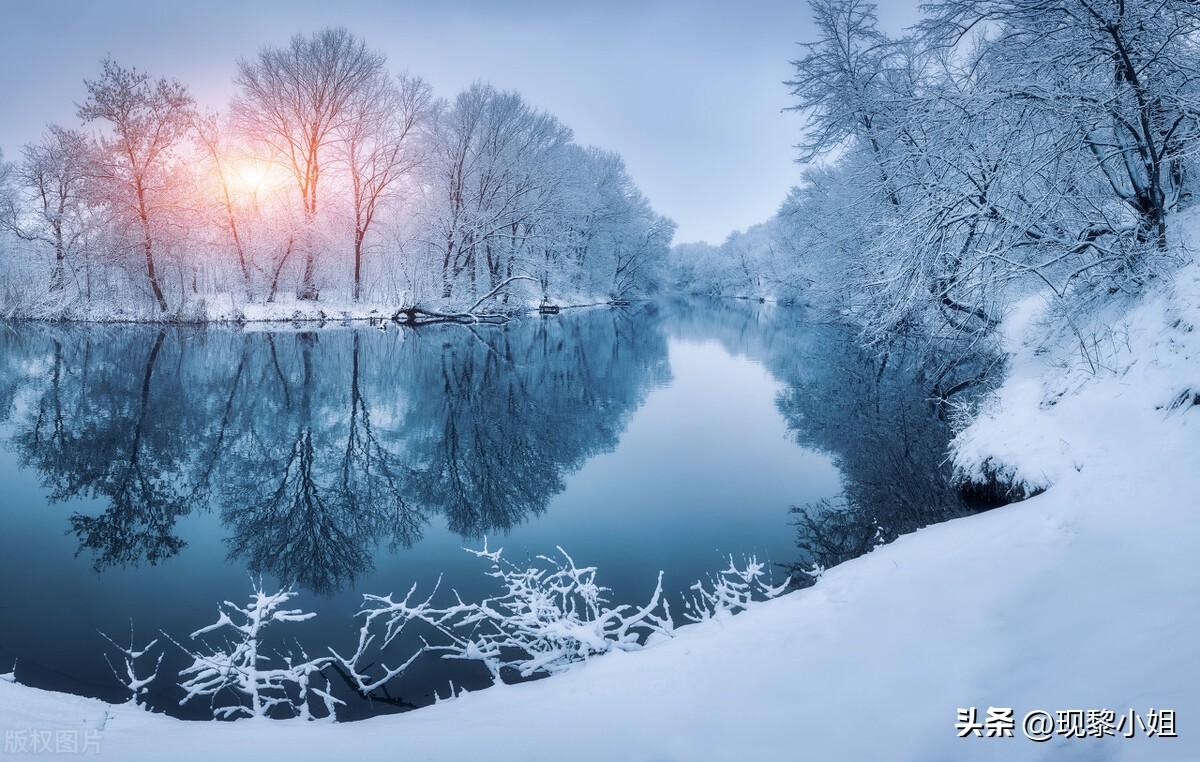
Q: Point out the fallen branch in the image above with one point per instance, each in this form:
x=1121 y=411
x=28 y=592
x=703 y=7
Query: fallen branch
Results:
x=421 y=316
x=497 y=290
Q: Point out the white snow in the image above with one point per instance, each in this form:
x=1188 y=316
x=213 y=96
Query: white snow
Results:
x=1083 y=597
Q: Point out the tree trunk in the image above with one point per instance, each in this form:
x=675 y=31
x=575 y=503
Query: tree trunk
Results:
x=446 y=266
x=148 y=247
x=241 y=252
x=278 y=269
x=58 y=276
x=308 y=287
x=358 y=244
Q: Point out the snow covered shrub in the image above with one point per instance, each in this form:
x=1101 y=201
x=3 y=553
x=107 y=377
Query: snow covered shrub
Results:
x=138 y=687
x=238 y=666
x=547 y=618
x=732 y=590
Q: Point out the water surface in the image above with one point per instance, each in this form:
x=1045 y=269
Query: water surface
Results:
x=148 y=471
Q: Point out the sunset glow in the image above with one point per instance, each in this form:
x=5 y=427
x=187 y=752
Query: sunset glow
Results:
x=250 y=177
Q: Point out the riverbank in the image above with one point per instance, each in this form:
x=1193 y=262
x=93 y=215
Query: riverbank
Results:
x=1082 y=597
x=223 y=310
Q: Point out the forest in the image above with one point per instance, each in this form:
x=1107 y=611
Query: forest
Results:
x=330 y=184
x=997 y=149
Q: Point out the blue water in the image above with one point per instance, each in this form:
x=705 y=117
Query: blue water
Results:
x=147 y=472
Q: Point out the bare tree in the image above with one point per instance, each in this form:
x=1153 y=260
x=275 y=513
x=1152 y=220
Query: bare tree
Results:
x=294 y=100
x=840 y=83
x=1120 y=77
x=380 y=146
x=147 y=119
x=214 y=140
x=52 y=173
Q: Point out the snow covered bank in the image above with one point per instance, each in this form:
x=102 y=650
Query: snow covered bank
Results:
x=1083 y=597
x=226 y=309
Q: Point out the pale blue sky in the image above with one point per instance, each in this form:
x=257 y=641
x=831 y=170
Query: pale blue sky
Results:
x=689 y=93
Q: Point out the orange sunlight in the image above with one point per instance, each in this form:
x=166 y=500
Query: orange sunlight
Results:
x=250 y=177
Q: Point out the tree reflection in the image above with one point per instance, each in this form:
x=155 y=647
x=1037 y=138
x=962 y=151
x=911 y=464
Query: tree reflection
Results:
x=98 y=432
x=310 y=492
x=873 y=413
x=316 y=448
x=889 y=439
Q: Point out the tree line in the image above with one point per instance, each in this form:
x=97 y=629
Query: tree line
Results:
x=997 y=148
x=327 y=180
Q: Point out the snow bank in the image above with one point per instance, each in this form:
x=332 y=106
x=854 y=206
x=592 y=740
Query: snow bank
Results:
x=1083 y=597
x=228 y=308
x=1077 y=392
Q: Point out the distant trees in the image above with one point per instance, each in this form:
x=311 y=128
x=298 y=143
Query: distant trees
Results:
x=758 y=263
x=329 y=180
x=51 y=177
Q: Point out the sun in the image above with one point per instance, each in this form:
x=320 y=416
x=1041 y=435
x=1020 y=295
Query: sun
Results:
x=249 y=177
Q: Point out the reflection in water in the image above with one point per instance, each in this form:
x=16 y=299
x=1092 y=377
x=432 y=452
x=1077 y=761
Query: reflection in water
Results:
x=890 y=441
x=872 y=413
x=317 y=447
x=304 y=454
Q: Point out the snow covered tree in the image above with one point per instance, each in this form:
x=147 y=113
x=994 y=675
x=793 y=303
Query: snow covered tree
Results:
x=495 y=171
x=293 y=101
x=132 y=167
x=51 y=175
x=1121 y=78
x=380 y=146
x=840 y=84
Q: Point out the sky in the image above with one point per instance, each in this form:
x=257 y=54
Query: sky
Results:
x=689 y=93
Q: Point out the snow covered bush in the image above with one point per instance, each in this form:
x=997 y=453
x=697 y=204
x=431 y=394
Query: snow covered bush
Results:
x=548 y=617
x=238 y=666
x=128 y=676
x=732 y=590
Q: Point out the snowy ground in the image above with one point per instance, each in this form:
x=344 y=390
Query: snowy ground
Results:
x=1084 y=597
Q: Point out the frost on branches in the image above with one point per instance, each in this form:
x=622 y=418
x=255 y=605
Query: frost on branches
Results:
x=731 y=590
x=128 y=675
x=547 y=617
x=238 y=666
